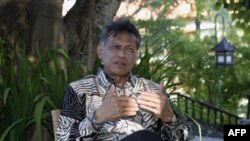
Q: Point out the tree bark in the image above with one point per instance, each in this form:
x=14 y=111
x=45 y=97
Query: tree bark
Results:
x=39 y=24
x=14 y=25
x=46 y=25
x=83 y=24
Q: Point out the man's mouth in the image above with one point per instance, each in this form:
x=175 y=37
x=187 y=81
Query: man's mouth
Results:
x=120 y=63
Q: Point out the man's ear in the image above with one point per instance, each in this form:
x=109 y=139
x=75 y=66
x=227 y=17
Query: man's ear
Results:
x=99 y=51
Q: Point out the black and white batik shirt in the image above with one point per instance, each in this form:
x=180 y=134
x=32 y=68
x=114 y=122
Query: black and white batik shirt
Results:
x=84 y=96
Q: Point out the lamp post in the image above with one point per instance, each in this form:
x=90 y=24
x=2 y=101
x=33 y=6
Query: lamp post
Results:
x=224 y=55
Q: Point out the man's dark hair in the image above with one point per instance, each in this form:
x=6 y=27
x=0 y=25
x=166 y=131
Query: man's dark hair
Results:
x=118 y=26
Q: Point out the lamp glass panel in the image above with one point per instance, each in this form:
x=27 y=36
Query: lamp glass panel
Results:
x=229 y=59
x=220 y=59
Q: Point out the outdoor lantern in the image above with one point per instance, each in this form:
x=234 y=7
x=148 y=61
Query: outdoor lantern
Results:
x=224 y=53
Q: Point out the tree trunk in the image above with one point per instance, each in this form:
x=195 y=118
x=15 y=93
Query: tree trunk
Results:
x=46 y=25
x=83 y=24
x=39 y=24
x=14 y=26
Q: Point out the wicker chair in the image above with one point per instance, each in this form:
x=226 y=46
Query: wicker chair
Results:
x=55 y=120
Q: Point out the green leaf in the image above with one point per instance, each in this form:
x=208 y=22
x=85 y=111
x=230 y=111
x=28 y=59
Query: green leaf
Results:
x=63 y=53
x=45 y=80
x=6 y=132
x=5 y=95
x=38 y=115
x=38 y=98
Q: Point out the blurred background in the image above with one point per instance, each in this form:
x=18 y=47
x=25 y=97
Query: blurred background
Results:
x=200 y=49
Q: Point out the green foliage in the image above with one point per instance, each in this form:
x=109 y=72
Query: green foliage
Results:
x=197 y=73
x=155 y=4
x=196 y=68
x=156 y=54
x=31 y=88
x=240 y=11
x=186 y=60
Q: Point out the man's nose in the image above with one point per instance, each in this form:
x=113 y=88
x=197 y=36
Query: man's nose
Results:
x=121 y=52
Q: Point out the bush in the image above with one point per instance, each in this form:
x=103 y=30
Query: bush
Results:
x=31 y=87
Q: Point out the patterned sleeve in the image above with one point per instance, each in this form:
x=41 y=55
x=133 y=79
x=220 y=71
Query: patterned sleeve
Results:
x=178 y=130
x=73 y=124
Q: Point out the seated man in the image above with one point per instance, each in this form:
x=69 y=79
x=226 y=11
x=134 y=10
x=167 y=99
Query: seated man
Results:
x=114 y=104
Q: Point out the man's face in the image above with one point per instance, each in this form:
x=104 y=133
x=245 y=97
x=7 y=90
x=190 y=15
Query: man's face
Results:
x=118 y=54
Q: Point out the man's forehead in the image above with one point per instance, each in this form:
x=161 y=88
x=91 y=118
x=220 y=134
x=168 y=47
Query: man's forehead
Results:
x=124 y=35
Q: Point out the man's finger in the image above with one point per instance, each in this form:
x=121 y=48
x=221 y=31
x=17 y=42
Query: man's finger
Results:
x=151 y=109
x=150 y=95
x=149 y=98
x=126 y=101
x=111 y=90
x=147 y=103
x=128 y=113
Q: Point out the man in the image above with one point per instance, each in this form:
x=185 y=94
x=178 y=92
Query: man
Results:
x=114 y=104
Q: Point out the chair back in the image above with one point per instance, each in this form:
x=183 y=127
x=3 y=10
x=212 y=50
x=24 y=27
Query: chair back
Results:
x=55 y=120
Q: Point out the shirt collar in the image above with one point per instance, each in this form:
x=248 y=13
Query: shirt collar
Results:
x=106 y=79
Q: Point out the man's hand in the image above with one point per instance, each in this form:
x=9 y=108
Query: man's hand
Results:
x=115 y=107
x=157 y=104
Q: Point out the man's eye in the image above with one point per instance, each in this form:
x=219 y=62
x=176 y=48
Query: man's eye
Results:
x=131 y=50
x=114 y=47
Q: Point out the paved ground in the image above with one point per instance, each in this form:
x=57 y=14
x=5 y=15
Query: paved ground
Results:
x=196 y=138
